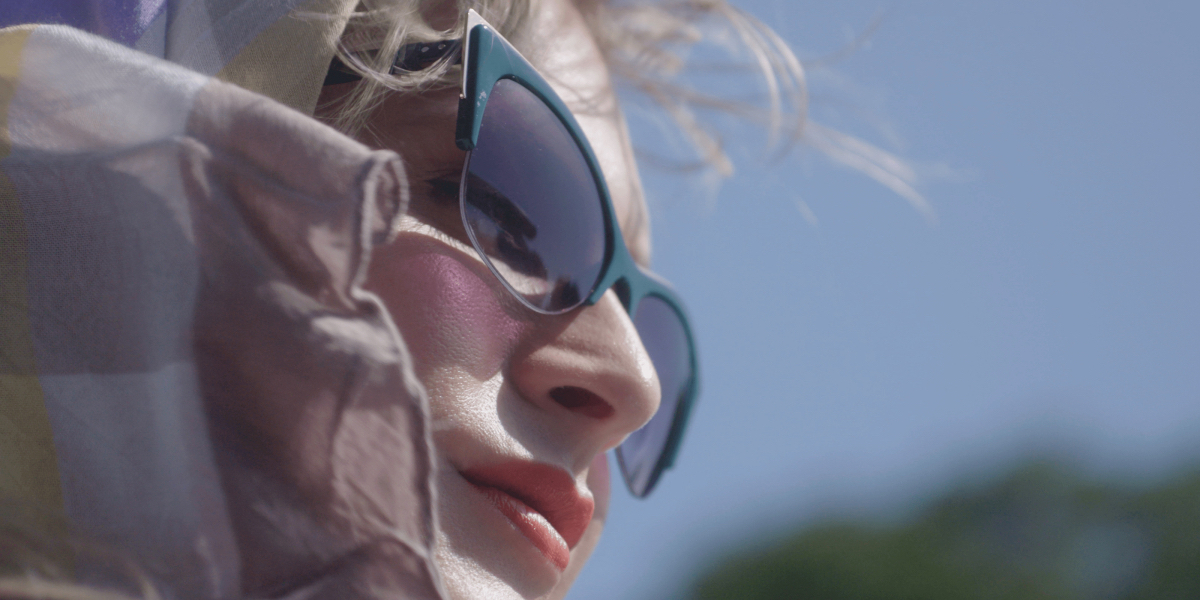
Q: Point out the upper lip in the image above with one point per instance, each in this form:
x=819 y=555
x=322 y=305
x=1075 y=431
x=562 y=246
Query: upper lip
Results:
x=547 y=489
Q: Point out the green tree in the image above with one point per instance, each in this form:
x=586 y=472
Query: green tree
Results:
x=1044 y=532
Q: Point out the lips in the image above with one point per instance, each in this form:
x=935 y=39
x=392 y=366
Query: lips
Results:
x=540 y=500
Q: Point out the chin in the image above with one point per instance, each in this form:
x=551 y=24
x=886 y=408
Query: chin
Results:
x=466 y=579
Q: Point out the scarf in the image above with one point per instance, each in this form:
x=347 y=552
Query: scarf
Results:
x=181 y=257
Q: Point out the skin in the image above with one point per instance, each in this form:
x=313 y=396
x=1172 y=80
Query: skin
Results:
x=488 y=363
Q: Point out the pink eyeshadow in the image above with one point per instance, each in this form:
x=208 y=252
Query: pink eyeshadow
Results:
x=450 y=307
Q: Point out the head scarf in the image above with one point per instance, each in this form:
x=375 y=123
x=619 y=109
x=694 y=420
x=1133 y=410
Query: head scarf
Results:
x=181 y=259
x=279 y=48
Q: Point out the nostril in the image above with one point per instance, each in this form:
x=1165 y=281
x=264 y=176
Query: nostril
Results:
x=584 y=402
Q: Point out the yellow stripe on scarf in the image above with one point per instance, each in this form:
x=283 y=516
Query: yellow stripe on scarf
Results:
x=12 y=42
x=28 y=464
x=288 y=60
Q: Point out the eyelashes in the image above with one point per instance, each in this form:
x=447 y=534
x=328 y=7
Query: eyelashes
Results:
x=434 y=203
x=502 y=228
x=444 y=188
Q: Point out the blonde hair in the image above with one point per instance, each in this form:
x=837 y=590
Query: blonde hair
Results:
x=646 y=44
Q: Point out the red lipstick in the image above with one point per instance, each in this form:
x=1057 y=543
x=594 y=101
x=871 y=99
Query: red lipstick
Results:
x=541 y=501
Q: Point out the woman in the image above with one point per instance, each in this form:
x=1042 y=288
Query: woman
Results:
x=207 y=293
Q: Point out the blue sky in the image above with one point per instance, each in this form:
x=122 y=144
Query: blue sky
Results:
x=861 y=358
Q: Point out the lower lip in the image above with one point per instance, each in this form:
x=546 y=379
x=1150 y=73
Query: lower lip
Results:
x=532 y=525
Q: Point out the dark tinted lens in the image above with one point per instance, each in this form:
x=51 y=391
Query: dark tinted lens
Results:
x=531 y=202
x=666 y=342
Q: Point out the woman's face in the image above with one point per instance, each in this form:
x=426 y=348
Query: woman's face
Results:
x=524 y=405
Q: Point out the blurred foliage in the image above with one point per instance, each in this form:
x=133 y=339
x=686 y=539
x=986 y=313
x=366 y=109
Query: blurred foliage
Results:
x=1044 y=532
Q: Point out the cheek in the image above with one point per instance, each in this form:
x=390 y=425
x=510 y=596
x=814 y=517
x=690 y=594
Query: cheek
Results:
x=449 y=308
x=600 y=482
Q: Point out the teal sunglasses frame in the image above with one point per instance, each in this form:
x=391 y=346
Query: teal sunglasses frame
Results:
x=488 y=58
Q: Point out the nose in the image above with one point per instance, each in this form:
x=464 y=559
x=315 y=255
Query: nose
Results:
x=588 y=379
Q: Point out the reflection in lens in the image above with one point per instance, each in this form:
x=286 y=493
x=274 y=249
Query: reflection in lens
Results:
x=666 y=342
x=531 y=202
x=504 y=230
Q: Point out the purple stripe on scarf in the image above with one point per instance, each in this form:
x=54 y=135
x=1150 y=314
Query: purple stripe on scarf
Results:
x=122 y=21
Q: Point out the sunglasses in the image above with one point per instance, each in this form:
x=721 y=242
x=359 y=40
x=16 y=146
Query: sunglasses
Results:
x=536 y=208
